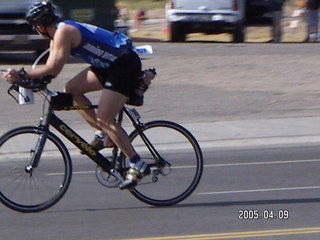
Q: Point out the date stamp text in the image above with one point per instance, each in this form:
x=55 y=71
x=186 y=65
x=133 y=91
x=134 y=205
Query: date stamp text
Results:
x=255 y=214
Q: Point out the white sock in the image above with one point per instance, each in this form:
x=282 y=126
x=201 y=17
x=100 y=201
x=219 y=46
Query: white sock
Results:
x=137 y=165
x=100 y=133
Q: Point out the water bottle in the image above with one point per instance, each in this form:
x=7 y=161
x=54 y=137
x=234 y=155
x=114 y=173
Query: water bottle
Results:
x=25 y=96
x=145 y=81
x=140 y=90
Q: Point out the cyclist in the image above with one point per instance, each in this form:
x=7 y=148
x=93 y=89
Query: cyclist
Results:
x=115 y=69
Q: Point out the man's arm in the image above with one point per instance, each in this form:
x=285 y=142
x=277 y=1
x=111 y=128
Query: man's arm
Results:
x=65 y=38
x=60 y=48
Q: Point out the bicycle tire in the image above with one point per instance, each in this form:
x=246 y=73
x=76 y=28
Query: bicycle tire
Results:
x=177 y=146
x=23 y=191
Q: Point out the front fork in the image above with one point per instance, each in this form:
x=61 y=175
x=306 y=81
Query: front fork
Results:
x=43 y=131
x=37 y=151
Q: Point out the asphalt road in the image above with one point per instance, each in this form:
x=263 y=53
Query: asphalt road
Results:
x=281 y=185
x=199 y=82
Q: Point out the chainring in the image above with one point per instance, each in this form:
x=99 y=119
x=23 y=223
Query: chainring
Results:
x=106 y=179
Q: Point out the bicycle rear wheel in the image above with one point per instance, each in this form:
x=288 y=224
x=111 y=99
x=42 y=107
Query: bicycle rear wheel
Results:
x=176 y=180
x=32 y=191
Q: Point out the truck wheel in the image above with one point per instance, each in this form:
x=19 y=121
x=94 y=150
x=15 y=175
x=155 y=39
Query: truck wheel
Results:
x=239 y=34
x=176 y=33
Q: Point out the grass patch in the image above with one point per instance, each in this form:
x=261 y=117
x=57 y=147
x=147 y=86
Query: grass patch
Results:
x=145 y=4
x=159 y=4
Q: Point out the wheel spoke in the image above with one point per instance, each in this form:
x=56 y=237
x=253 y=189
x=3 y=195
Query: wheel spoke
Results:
x=28 y=189
x=180 y=167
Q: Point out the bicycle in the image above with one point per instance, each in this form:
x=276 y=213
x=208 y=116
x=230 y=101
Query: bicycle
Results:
x=36 y=167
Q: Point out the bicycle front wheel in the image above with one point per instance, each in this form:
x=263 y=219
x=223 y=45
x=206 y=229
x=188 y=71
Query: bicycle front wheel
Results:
x=178 y=178
x=27 y=189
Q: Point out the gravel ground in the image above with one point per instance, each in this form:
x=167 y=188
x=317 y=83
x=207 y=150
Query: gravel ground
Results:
x=207 y=82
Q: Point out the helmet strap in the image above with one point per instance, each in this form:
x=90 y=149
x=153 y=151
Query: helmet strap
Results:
x=46 y=34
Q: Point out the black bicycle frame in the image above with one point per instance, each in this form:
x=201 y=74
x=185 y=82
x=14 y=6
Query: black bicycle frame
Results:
x=139 y=127
x=86 y=148
x=79 y=142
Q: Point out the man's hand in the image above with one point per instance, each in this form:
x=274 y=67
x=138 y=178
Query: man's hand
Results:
x=11 y=75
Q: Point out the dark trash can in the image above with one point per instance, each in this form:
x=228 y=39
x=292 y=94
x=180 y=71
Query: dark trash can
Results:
x=101 y=13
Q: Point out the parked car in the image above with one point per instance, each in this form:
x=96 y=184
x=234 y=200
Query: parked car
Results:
x=206 y=16
x=15 y=33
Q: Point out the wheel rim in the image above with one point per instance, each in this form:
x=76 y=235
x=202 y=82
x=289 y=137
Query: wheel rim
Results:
x=184 y=155
x=34 y=189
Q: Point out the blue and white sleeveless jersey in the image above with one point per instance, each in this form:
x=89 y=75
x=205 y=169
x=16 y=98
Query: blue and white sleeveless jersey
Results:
x=99 y=47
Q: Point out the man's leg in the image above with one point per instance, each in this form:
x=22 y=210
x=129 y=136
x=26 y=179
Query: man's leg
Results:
x=86 y=81
x=313 y=25
x=276 y=28
x=111 y=103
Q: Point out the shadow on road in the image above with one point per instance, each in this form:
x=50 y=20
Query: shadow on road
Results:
x=28 y=58
x=17 y=57
x=251 y=202
x=191 y=205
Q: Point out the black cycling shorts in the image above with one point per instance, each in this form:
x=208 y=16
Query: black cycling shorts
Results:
x=122 y=76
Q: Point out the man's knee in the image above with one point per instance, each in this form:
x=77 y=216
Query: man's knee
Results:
x=105 y=123
x=66 y=89
x=69 y=88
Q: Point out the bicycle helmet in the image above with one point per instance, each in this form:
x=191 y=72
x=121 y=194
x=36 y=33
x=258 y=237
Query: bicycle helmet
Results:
x=41 y=13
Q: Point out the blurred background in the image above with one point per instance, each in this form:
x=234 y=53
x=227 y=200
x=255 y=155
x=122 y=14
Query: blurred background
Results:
x=146 y=20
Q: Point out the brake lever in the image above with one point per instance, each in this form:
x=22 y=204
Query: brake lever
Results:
x=12 y=87
x=16 y=88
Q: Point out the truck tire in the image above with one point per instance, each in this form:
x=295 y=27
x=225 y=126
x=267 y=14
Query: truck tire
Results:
x=239 y=34
x=176 y=33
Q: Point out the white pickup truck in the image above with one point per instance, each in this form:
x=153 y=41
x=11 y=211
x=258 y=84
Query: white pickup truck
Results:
x=206 y=16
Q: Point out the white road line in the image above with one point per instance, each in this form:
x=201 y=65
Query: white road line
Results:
x=261 y=163
x=217 y=165
x=260 y=190
x=73 y=173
